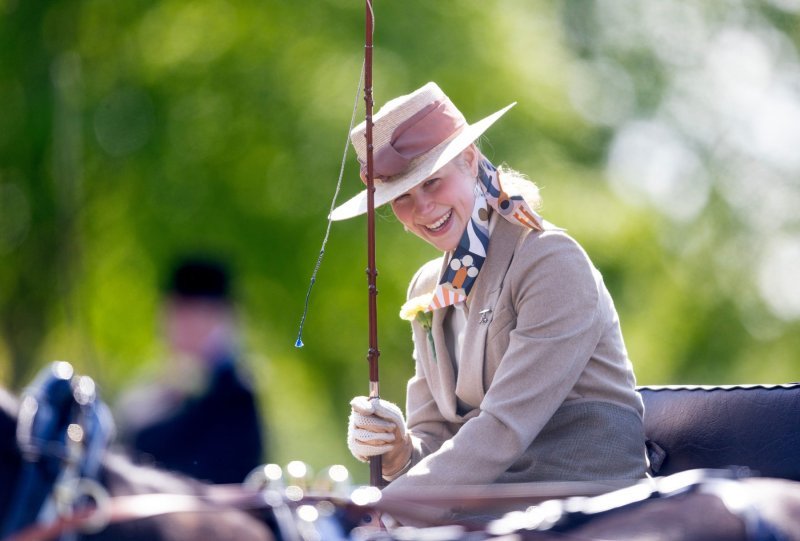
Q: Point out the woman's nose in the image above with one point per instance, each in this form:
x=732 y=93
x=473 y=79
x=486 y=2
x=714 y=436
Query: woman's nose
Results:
x=422 y=203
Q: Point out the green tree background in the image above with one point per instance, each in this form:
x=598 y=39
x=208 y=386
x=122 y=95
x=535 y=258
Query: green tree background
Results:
x=664 y=136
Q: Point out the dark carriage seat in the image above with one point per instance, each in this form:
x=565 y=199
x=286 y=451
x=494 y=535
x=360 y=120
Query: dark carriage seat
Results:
x=698 y=426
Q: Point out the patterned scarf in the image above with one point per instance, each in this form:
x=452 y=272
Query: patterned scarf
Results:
x=468 y=258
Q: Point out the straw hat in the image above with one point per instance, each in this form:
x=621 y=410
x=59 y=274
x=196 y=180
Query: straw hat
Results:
x=413 y=136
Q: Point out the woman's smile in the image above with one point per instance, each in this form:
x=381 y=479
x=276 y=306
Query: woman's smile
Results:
x=439 y=224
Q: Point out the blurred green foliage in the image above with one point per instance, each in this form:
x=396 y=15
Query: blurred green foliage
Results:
x=134 y=131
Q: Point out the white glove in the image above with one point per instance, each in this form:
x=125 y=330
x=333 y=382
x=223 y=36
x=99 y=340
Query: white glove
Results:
x=375 y=427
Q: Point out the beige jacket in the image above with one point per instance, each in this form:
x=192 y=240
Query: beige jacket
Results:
x=544 y=389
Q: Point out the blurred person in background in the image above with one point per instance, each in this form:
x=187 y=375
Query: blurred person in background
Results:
x=521 y=371
x=202 y=417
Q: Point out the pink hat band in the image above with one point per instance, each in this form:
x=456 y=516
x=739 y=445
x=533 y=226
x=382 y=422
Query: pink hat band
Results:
x=421 y=132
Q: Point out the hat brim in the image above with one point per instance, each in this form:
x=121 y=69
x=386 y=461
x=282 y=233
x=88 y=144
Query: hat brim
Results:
x=428 y=164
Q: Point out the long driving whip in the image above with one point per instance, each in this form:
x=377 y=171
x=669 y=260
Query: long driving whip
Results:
x=375 y=476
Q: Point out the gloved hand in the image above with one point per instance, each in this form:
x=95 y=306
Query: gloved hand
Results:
x=377 y=427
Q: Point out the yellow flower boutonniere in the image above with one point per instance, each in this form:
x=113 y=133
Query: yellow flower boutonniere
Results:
x=416 y=309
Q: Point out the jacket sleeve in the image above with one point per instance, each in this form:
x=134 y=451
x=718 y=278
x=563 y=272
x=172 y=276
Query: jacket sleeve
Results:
x=555 y=298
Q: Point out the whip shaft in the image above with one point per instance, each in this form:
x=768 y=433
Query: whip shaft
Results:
x=376 y=478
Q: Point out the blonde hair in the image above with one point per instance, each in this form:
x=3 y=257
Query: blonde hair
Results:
x=511 y=180
x=517 y=183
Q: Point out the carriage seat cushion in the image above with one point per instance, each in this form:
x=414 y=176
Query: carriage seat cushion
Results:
x=699 y=426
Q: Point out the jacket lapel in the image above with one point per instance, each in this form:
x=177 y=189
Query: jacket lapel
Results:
x=441 y=372
x=483 y=298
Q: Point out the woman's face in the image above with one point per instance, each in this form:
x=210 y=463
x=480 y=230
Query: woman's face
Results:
x=438 y=209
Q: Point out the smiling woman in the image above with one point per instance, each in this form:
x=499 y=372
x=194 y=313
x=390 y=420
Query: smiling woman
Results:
x=521 y=370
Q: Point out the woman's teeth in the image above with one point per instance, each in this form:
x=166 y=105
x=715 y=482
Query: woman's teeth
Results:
x=440 y=222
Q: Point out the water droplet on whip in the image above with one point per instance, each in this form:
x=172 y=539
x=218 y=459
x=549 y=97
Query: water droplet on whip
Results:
x=298 y=343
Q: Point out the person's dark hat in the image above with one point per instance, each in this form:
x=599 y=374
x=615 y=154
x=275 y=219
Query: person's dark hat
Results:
x=200 y=277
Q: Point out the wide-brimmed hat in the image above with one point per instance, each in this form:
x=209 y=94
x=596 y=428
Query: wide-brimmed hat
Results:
x=413 y=136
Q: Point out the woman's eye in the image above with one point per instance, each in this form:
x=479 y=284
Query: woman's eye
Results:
x=431 y=182
x=400 y=198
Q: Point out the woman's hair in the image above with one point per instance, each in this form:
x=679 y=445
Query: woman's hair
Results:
x=512 y=181
x=515 y=182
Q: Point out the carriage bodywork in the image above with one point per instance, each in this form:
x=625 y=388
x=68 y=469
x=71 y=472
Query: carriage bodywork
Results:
x=756 y=427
